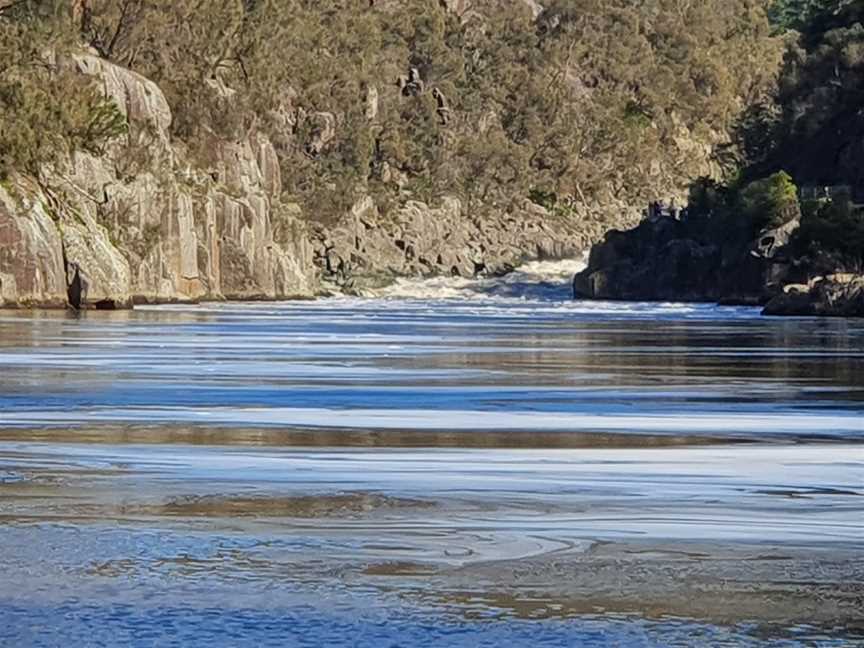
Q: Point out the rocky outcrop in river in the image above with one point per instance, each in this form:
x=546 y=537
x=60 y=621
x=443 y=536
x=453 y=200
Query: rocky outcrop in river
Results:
x=665 y=259
x=141 y=223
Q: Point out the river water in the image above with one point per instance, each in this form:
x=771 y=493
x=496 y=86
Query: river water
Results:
x=446 y=462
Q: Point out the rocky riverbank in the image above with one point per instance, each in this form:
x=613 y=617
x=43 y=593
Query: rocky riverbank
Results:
x=140 y=223
x=145 y=221
x=840 y=295
x=667 y=259
x=368 y=249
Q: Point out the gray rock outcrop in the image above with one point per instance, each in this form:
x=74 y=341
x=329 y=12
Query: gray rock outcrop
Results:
x=664 y=259
x=368 y=249
x=141 y=223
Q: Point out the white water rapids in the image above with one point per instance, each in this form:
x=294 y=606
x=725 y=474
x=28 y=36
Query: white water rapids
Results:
x=538 y=280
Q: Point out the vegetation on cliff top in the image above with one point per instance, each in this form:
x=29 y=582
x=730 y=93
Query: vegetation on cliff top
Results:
x=591 y=101
x=46 y=109
x=808 y=134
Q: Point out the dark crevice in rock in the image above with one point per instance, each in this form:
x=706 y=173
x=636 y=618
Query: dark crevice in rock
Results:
x=77 y=285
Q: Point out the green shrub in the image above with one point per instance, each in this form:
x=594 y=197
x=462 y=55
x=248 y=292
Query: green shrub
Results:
x=770 y=202
x=835 y=229
x=45 y=117
x=47 y=112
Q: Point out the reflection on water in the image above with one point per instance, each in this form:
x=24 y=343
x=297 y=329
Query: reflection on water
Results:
x=501 y=471
x=457 y=366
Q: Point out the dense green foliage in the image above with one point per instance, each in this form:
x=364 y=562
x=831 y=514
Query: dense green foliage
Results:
x=769 y=202
x=741 y=210
x=815 y=117
x=591 y=101
x=594 y=100
x=808 y=134
x=46 y=111
x=832 y=236
x=804 y=15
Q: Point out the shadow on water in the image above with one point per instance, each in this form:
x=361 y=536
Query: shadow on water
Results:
x=323 y=437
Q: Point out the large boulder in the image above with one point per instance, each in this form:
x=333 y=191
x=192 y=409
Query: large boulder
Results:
x=653 y=262
x=840 y=295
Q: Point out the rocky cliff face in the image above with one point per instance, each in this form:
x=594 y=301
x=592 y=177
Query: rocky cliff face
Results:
x=32 y=270
x=140 y=223
x=368 y=249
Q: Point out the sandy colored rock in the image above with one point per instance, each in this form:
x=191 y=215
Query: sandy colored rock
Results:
x=144 y=224
x=31 y=252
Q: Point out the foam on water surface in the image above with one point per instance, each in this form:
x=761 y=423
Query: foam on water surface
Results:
x=536 y=281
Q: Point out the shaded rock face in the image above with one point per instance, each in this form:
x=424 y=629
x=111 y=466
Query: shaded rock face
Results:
x=141 y=224
x=831 y=296
x=654 y=262
x=368 y=249
x=664 y=259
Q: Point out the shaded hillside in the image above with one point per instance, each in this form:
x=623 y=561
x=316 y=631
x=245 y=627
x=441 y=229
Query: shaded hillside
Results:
x=789 y=228
x=815 y=128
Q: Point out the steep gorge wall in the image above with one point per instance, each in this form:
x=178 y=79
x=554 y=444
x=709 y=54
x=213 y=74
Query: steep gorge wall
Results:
x=425 y=148
x=142 y=224
x=368 y=249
